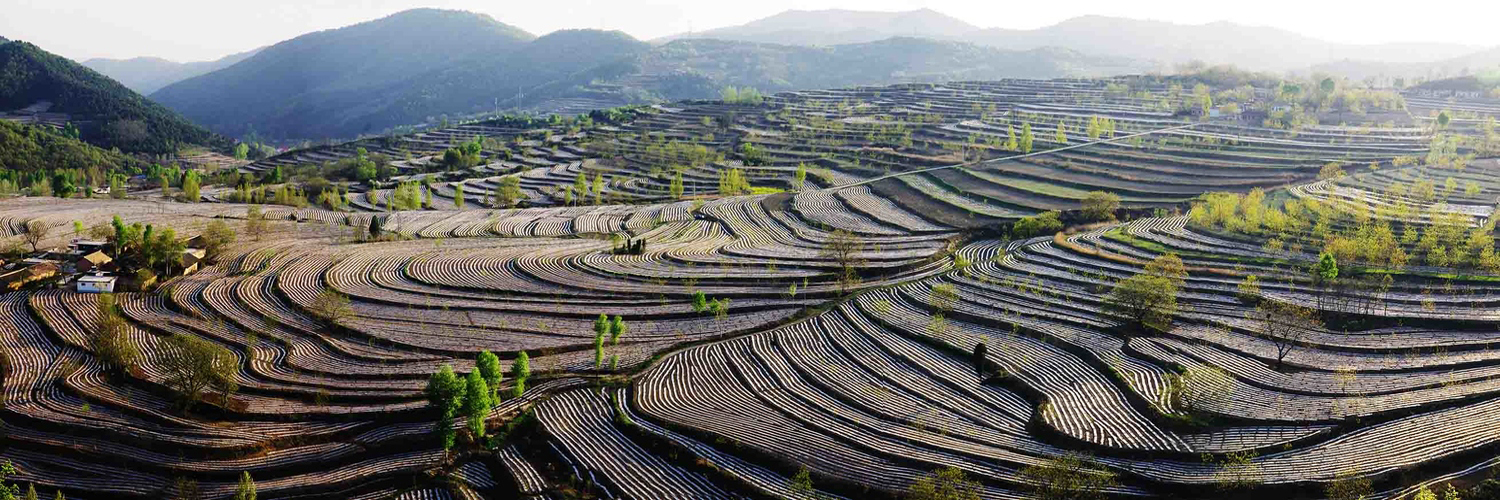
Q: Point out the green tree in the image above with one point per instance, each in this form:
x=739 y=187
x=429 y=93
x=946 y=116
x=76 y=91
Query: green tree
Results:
x=1148 y=301
x=8 y=491
x=1100 y=206
x=1037 y=225
x=800 y=178
x=599 y=346
x=520 y=371
x=1062 y=135
x=676 y=187
x=458 y=196
x=948 y=483
x=246 y=489
x=1026 y=138
x=445 y=391
x=190 y=190
x=331 y=306
x=193 y=365
x=255 y=222
x=31 y=492
x=801 y=485
x=1327 y=270
x=477 y=403
x=1346 y=485
x=488 y=365
x=241 y=151
x=581 y=186
x=617 y=329
x=598 y=188
x=110 y=338
x=1068 y=477
x=217 y=236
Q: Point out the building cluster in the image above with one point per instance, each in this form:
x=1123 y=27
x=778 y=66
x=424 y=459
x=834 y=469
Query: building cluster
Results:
x=86 y=265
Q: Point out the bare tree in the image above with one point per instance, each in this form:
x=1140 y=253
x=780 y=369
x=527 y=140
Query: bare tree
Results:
x=36 y=231
x=843 y=248
x=1285 y=325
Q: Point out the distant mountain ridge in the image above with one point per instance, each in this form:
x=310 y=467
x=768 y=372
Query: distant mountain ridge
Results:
x=109 y=114
x=149 y=74
x=370 y=77
x=837 y=27
x=1164 y=43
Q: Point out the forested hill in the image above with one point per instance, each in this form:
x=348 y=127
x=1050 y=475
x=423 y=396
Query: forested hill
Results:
x=26 y=148
x=109 y=115
x=314 y=85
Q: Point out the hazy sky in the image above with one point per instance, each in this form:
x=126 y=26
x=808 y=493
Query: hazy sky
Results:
x=189 y=30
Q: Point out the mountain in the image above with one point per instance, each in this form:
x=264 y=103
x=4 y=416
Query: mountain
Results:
x=1165 y=44
x=1480 y=62
x=687 y=69
x=148 y=74
x=371 y=77
x=1250 y=47
x=837 y=27
x=294 y=88
x=108 y=114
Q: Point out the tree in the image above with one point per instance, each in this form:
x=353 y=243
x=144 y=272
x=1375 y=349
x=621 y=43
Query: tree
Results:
x=1100 y=206
x=1327 y=85
x=36 y=231
x=1026 y=138
x=598 y=188
x=445 y=391
x=488 y=366
x=1068 y=477
x=1331 y=170
x=1443 y=119
x=31 y=492
x=581 y=186
x=981 y=357
x=843 y=248
x=1148 y=301
x=943 y=296
x=676 y=186
x=1037 y=225
x=190 y=189
x=375 y=227
x=1287 y=326
x=193 y=365
x=599 y=345
x=110 y=339
x=331 y=306
x=520 y=370
x=948 y=483
x=255 y=222
x=617 y=329
x=246 y=488
x=217 y=236
x=1349 y=487
x=458 y=196
x=801 y=176
x=8 y=491
x=801 y=485
x=477 y=403
x=1061 y=136
x=241 y=151
x=1327 y=269
x=1248 y=290
x=1199 y=385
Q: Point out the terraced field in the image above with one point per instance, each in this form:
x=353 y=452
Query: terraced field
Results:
x=836 y=352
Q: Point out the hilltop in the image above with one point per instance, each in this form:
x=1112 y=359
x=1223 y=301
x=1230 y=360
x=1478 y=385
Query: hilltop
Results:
x=294 y=88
